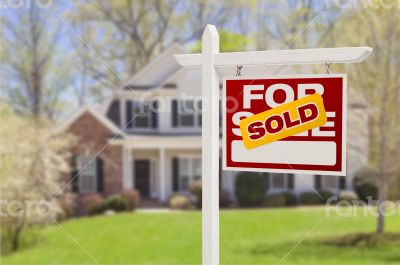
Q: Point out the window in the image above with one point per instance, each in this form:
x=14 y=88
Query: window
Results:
x=329 y=182
x=278 y=181
x=189 y=169
x=141 y=114
x=189 y=114
x=87 y=175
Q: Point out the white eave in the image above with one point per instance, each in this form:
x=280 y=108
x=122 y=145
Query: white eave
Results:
x=95 y=113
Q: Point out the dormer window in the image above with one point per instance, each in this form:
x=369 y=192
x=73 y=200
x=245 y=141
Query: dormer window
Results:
x=169 y=85
x=141 y=114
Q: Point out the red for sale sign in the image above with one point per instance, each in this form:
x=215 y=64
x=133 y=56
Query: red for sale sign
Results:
x=285 y=124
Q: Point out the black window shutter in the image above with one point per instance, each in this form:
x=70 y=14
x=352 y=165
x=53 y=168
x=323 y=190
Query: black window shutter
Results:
x=266 y=176
x=154 y=115
x=220 y=174
x=342 y=183
x=129 y=115
x=100 y=174
x=174 y=109
x=74 y=174
x=175 y=174
x=290 y=181
x=317 y=182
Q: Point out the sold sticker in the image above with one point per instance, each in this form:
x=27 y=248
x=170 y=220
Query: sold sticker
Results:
x=283 y=121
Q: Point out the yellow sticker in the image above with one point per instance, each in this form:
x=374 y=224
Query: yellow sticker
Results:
x=283 y=121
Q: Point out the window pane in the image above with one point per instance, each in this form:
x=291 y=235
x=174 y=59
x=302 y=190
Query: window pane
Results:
x=187 y=119
x=88 y=166
x=277 y=181
x=197 y=168
x=87 y=176
x=141 y=121
x=187 y=106
x=329 y=182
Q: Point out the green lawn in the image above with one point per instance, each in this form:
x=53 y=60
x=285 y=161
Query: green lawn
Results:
x=247 y=237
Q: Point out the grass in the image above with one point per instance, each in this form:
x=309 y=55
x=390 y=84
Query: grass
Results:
x=246 y=237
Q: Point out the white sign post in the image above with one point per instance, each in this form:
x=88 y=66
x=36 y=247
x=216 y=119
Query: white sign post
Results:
x=209 y=59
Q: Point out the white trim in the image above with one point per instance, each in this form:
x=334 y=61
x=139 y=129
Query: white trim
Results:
x=105 y=121
x=296 y=171
x=281 y=57
x=173 y=48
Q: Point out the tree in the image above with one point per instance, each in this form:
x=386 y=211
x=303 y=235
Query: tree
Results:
x=36 y=77
x=378 y=82
x=229 y=42
x=32 y=157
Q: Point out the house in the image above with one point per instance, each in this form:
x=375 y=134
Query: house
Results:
x=148 y=137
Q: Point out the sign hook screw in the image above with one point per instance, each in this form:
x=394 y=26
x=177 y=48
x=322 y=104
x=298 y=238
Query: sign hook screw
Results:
x=328 y=68
x=239 y=70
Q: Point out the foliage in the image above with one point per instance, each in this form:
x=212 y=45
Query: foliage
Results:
x=224 y=198
x=250 y=188
x=291 y=198
x=195 y=187
x=366 y=191
x=116 y=203
x=67 y=204
x=326 y=195
x=32 y=157
x=275 y=200
x=93 y=204
x=179 y=202
x=348 y=196
x=132 y=198
x=229 y=42
x=310 y=198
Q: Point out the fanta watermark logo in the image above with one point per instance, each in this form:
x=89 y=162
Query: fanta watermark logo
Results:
x=362 y=4
x=17 y=4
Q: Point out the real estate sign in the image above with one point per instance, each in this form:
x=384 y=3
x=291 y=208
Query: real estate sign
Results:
x=285 y=124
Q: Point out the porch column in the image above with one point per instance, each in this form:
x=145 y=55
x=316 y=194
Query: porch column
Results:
x=162 y=174
x=127 y=167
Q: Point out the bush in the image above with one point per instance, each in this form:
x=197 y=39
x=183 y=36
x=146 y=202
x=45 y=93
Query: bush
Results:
x=116 y=203
x=275 y=200
x=224 y=198
x=365 y=184
x=366 y=190
x=250 y=188
x=291 y=198
x=348 y=196
x=132 y=198
x=310 y=198
x=179 y=202
x=326 y=195
x=195 y=187
x=67 y=205
x=93 y=204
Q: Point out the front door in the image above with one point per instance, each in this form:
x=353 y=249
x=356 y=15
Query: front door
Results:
x=142 y=177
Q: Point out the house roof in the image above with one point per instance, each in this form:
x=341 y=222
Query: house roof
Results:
x=97 y=115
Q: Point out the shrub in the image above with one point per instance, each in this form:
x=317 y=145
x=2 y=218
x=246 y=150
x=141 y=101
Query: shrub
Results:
x=291 y=198
x=275 y=200
x=310 y=198
x=195 y=187
x=250 y=188
x=366 y=190
x=365 y=184
x=93 y=204
x=326 y=195
x=224 y=198
x=348 y=196
x=116 y=203
x=67 y=204
x=179 y=202
x=132 y=198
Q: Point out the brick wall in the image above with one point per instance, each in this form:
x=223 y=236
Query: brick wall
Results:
x=92 y=137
